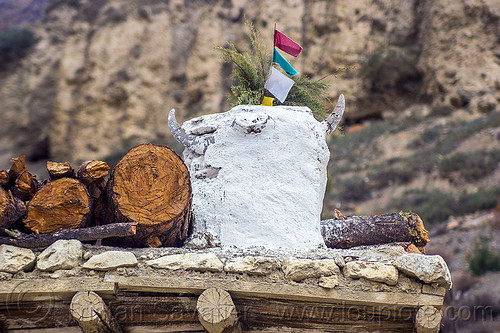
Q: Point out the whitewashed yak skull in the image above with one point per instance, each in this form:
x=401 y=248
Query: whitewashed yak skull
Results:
x=258 y=175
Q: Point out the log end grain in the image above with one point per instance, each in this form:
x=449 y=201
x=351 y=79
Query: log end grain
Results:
x=62 y=204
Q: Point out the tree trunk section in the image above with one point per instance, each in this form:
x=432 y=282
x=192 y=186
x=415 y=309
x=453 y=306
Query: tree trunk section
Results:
x=376 y=229
x=61 y=204
x=82 y=234
x=428 y=319
x=92 y=314
x=151 y=186
x=59 y=170
x=11 y=209
x=216 y=311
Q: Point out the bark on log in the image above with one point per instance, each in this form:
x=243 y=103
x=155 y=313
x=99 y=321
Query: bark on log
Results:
x=62 y=204
x=216 y=311
x=376 y=229
x=82 y=234
x=59 y=170
x=11 y=209
x=92 y=314
x=151 y=186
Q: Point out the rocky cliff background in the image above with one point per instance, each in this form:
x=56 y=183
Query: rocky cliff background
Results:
x=421 y=80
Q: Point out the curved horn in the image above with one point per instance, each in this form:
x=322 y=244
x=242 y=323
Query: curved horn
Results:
x=336 y=116
x=179 y=134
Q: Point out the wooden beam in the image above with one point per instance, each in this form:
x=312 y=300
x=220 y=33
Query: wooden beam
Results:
x=286 y=291
x=216 y=311
x=92 y=314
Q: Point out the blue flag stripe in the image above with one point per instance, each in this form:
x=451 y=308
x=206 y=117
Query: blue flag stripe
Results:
x=278 y=59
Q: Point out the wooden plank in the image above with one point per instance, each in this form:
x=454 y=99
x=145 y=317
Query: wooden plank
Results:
x=39 y=290
x=285 y=291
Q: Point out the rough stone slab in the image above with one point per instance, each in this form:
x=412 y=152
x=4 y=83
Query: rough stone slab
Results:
x=14 y=259
x=328 y=282
x=373 y=271
x=203 y=262
x=62 y=254
x=300 y=269
x=287 y=291
x=427 y=268
x=433 y=289
x=252 y=265
x=111 y=260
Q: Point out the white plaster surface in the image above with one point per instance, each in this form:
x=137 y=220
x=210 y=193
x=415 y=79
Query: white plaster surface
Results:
x=261 y=180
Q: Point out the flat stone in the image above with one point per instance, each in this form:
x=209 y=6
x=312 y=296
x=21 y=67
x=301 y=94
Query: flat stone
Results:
x=110 y=260
x=328 y=282
x=373 y=271
x=62 y=254
x=433 y=289
x=252 y=265
x=15 y=259
x=203 y=262
x=300 y=269
x=426 y=268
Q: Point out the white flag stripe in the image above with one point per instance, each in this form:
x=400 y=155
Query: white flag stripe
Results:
x=278 y=84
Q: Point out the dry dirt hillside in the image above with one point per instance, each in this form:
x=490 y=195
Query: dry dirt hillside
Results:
x=103 y=74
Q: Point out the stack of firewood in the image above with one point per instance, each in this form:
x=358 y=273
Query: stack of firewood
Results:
x=146 y=199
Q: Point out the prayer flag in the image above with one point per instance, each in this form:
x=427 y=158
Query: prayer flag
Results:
x=267 y=101
x=278 y=58
x=278 y=84
x=284 y=43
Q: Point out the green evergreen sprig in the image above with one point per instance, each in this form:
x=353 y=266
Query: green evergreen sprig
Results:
x=250 y=70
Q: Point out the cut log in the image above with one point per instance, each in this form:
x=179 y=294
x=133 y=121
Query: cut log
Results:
x=428 y=319
x=82 y=234
x=25 y=186
x=92 y=314
x=11 y=209
x=375 y=229
x=150 y=185
x=58 y=170
x=91 y=171
x=61 y=204
x=216 y=311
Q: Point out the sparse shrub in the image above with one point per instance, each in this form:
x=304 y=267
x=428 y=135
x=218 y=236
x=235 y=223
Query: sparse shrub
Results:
x=351 y=146
x=250 y=70
x=482 y=258
x=14 y=44
x=391 y=69
x=432 y=206
x=471 y=166
x=442 y=110
x=463 y=281
x=428 y=136
x=481 y=200
x=354 y=189
x=385 y=176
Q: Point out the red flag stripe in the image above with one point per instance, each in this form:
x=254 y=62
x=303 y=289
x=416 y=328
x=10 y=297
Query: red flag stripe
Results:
x=284 y=43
